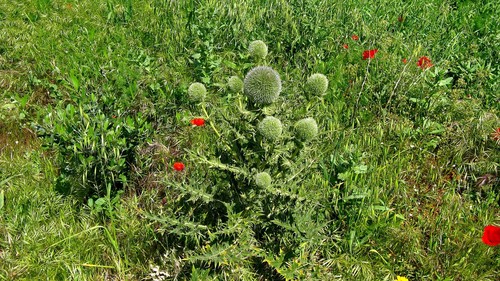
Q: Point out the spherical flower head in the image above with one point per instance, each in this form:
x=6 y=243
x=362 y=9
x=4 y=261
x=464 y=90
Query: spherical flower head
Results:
x=262 y=85
x=306 y=129
x=400 y=278
x=197 y=92
x=257 y=49
x=270 y=128
x=235 y=84
x=317 y=84
x=263 y=179
x=491 y=235
x=179 y=166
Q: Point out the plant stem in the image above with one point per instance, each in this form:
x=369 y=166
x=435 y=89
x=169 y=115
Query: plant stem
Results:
x=209 y=121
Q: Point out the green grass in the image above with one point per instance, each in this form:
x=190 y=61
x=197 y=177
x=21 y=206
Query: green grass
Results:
x=388 y=188
x=48 y=236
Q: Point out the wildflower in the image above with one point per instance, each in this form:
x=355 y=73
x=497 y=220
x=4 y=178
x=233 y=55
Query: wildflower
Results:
x=178 y=166
x=496 y=135
x=491 y=235
x=399 y=278
x=355 y=37
x=345 y=46
x=424 y=63
x=369 y=54
x=198 y=121
x=197 y=92
x=405 y=61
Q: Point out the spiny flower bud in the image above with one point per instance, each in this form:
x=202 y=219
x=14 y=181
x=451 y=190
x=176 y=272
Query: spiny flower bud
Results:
x=263 y=179
x=257 y=49
x=306 y=129
x=235 y=84
x=316 y=84
x=262 y=85
x=270 y=128
x=197 y=92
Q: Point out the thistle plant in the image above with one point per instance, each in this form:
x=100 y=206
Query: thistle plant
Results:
x=270 y=128
x=235 y=84
x=316 y=84
x=263 y=179
x=262 y=85
x=258 y=49
x=306 y=129
x=249 y=152
x=197 y=92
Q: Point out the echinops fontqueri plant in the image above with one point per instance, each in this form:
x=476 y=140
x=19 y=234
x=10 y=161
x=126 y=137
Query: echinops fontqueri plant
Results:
x=270 y=128
x=235 y=84
x=197 y=92
x=306 y=129
x=257 y=49
x=316 y=84
x=263 y=179
x=262 y=85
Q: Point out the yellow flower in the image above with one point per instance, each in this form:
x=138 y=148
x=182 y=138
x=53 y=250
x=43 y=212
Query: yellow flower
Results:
x=402 y=279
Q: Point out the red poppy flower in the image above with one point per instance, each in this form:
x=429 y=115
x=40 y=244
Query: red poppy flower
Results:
x=345 y=46
x=496 y=135
x=405 y=61
x=424 y=63
x=369 y=54
x=198 y=121
x=178 y=166
x=355 y=37
x=491 y=235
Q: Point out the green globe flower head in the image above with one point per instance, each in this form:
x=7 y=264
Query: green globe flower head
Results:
x=262 y=85
x=270 y=128
x=258 y=49
x=235 y=84
x=316 y=84
x=306 y=129
x=197 y=92
x=263 y=179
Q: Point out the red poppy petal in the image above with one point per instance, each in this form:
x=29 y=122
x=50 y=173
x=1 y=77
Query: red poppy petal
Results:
x=369 y=54
x=178 y=166
x=495 y=234
x=487 y=241
x=424 y=62
x=198 y=121
x=491 y=235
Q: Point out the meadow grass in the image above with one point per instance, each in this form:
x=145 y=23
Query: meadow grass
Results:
x=400 y=181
